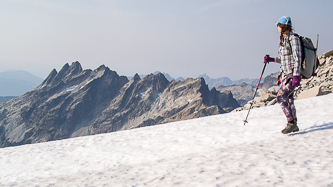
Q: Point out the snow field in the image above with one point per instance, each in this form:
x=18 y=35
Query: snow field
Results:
x=211 y=151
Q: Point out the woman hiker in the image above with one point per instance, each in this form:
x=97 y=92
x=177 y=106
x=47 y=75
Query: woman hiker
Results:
x=290 y=59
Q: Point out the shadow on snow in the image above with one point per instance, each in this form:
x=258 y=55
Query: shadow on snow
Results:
x=314 y=128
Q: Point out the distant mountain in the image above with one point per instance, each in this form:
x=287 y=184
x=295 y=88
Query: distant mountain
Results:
x=21 y=75
x=216 y=82
x=16 y=83
x=253 y=82
x=167 y=76
x=225 y=81
x=75 y=102
x=6 y=98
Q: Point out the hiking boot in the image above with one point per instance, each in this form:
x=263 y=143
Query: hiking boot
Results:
x=291 y=127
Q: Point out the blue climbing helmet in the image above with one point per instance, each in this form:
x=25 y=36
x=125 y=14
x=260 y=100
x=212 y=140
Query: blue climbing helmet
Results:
x=285 y=20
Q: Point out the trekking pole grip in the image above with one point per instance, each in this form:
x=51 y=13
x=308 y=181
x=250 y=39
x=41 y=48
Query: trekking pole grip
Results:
x=267 y=56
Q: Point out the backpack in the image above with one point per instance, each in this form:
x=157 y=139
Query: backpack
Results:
x=309 y=57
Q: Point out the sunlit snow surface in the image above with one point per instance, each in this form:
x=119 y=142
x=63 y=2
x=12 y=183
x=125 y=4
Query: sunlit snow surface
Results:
x=211 y=151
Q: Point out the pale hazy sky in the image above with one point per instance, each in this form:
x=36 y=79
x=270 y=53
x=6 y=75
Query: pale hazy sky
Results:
x=180 y=37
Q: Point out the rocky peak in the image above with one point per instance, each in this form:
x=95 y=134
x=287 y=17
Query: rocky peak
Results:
x=62 y=74
x=102 y=68
x=74 y=69
x=65 y=75
x=49 y=78
x=159 y=81
x=136 y=77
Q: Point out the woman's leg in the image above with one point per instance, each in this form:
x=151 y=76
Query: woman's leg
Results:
x=285 y=98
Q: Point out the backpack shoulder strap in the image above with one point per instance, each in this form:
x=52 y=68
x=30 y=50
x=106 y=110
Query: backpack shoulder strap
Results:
x=296 y=35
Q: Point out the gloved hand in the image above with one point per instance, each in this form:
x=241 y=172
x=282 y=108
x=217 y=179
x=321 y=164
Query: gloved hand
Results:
x=268 y=59
x=296 y=81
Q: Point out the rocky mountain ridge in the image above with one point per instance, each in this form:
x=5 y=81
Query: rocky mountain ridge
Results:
x=75 y=102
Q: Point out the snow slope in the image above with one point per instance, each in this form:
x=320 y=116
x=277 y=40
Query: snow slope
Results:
x=211 y=151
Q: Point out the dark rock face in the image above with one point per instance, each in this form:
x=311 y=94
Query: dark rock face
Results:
x=242 y=92
x=75 y=102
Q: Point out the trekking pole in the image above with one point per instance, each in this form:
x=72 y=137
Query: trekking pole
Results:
x=245 y=121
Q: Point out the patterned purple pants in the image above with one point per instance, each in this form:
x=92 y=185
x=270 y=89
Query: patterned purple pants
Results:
x=285 y=98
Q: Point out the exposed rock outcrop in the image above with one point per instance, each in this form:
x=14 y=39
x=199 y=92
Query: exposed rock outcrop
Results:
x=321 y=84
x=75 y=102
